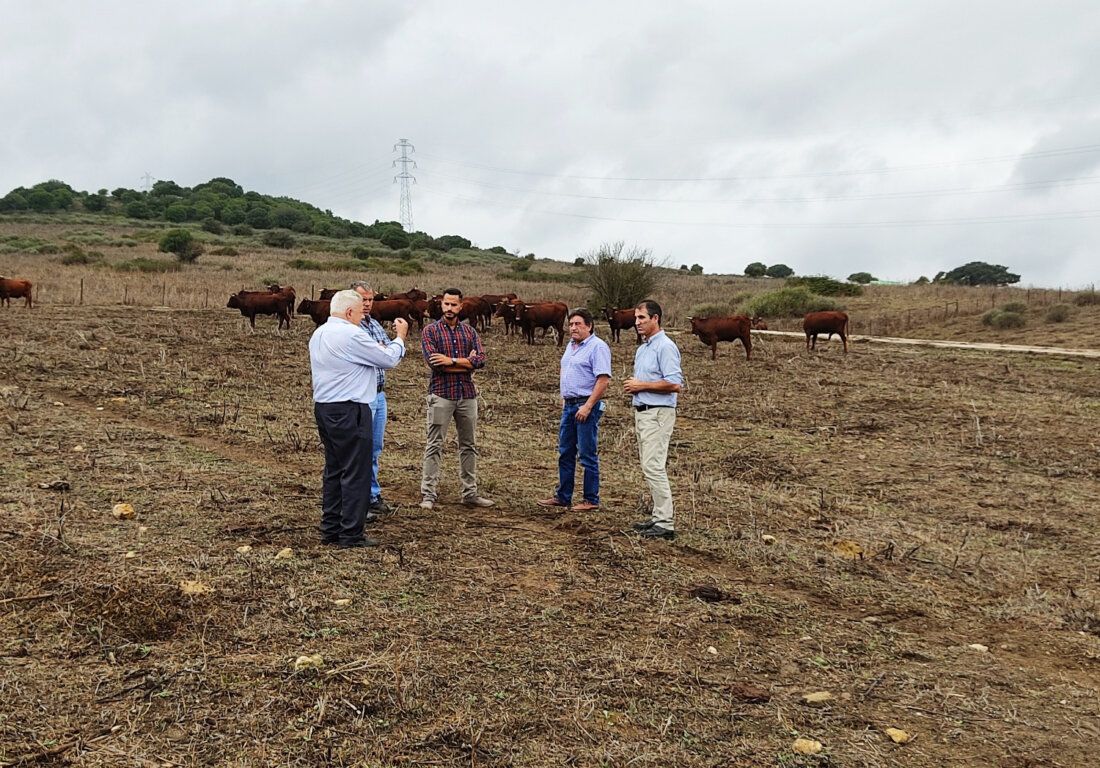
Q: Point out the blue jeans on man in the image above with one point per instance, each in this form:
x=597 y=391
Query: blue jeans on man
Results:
x=579 y=439
x=380 y=411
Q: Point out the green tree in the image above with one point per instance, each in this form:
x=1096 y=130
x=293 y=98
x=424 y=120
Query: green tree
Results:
x=182 y=243
x=40 y=200
x=756 y=269
x=779 y=270
x=922 y=280
x=13 y=201
x=447 y=242
x=619 y=277
x=258 y=217
x=979 y=273
x=279 y=238
x=176 y=212
x=95 y=203
x=696 y=269
x=395 y=239
x=137 y=209
x=863 y=278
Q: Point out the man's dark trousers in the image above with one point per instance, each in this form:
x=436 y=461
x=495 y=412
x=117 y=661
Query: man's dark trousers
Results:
x=346 y=430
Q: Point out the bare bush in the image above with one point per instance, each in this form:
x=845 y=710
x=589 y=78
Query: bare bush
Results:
x=620 y=277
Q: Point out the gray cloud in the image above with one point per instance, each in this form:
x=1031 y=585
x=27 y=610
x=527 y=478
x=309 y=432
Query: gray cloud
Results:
x=820 y=136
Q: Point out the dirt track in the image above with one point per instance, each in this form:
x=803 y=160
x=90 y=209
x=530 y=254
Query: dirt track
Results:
x=920 y=501
x=977 y=345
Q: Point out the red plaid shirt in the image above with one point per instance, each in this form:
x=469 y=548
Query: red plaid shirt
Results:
x=460 y=341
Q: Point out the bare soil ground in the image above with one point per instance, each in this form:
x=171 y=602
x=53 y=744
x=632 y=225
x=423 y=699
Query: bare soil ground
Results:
x=919 y=503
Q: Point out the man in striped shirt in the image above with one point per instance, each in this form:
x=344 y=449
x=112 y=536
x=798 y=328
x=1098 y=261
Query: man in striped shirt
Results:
x=453 y=351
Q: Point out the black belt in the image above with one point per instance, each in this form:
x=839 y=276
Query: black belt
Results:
x=648 y=407
x=575 y=400
x=381 y=387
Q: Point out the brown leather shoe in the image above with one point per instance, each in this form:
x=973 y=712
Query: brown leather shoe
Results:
x=553 y=501
x=585 y=506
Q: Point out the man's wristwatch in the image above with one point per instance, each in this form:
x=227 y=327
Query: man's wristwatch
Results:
x=454 y=361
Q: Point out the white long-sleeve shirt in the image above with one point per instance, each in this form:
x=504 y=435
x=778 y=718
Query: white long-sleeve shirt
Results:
x=344 y=361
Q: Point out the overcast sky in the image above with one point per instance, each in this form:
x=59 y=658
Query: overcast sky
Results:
x=899 y=138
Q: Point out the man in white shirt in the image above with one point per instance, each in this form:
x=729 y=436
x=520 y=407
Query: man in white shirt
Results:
x=344 y=360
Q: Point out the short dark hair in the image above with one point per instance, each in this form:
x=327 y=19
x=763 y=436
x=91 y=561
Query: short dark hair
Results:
x=652 y=308
x=452 y=292
x=583 y=314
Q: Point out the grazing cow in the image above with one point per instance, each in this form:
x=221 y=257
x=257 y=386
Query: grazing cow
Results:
x=620 y=320
x=828 y=323
x=758 y=324
x=13 y=288
x=496 y=299
x=328 y=293
x=550 y=314
x=712 y=330
x=317 y=310
x=252 y=303
x=391 y=309
x=421 y=308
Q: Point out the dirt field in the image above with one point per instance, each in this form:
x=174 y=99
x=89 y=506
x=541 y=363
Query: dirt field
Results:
x=923 y=503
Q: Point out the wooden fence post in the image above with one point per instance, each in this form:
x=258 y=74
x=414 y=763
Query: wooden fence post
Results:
x=125 y=294
x=205 y=298
x=163 y=294
x=311 y=291
x=81 y=290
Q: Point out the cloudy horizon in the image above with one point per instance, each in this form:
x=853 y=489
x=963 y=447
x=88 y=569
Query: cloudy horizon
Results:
x=899 y=139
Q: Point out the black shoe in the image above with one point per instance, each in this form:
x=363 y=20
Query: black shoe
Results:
x=358 y=543
x=657 y=532
x=370 y=517
x=645 y=525
x=330 y=540
x=381 y=508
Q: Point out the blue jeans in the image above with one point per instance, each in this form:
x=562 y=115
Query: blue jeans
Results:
x=379 y=409
x=579 y=437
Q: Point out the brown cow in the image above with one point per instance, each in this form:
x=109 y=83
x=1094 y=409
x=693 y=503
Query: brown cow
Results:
x=13 y=288
x=391 y=309
x=476 y=311
x=413 y=294
x=286 y=291
x=252 y=303
x=435 y=306
x=421 y=308
x=758 y=324
x=317 y=310
x=712 y=330
x=328 y=293
x=506 y=310
x=825 y=322
x=620 y=320
x=550 y=314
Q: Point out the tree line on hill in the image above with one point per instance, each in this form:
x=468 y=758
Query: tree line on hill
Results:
x=218 y=205
x=972 y=273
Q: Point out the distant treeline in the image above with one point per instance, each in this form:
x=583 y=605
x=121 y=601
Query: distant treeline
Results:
x=217 y=205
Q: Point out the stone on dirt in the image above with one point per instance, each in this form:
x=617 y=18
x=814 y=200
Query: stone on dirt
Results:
x=817 y=698
x=806 y=746
x=898 y=736
x=123 y=511
x=189 y=587
x=314 y=661
x=284 y=554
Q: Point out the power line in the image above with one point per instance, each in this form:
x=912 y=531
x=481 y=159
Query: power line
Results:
x=1020 y=186
x=1005 y=219
x=405 y=177
x=1039 y=154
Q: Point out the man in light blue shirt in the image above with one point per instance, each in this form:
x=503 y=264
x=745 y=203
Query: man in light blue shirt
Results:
x=585 y=373
x=344 y=361
x=654 y=386
x=379 y=408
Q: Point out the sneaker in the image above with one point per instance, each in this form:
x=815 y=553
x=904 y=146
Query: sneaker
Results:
x=357 y=543
x=477 y=501
x=427 y=504
x=553 y=501
x=585 y=506
x=657 y=532
x=643 y=526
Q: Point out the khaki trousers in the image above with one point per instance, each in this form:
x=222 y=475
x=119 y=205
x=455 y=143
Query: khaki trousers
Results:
x=654 y=428
x=440 y=412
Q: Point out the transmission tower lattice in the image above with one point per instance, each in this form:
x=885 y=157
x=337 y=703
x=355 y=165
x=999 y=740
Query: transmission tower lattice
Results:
x=404 y=178
x=148 y=179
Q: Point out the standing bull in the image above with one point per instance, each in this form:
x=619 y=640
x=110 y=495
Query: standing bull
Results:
x=547 y=315
x=621 y=320
x=252 y=303
x=12 y=288
x=827 y=323
x=712 y=330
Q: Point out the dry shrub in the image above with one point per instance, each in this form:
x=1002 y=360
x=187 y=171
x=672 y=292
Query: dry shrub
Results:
x=1087 y=299
x=1002 y=319
x=1059 y=313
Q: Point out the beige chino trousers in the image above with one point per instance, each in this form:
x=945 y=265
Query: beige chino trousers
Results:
x=440 y=412
x=654 y=428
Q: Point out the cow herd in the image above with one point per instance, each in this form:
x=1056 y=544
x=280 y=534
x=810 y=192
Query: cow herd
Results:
x=519 y=317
